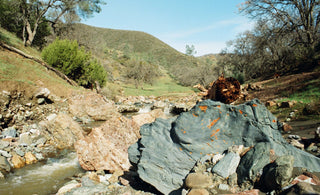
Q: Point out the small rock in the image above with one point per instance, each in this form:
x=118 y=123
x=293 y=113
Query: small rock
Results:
x=29 y=104
x=124 y=181
x=10 y=132
x=1 y=176
x=41 y=101
x=51 y=117
x=115 y=176
x=4 y=164
x=236 y=149
x=25 y=139
x=5 y=154
x=278 y=174
x=4 y=144
x=18 y=162
x=198 y=192
x=227 y=165
x=224 y=187
x=233 y=179
x=41 y=141
x=216 y=158
x=198 y=180
x=19 y=152
x=296 y=143
x=42 y=93
x=30 y=158
x=271 y=103
x=301 y=188
x=68 y=187
x=297 y=137
x=317 y=134
x=39 y=156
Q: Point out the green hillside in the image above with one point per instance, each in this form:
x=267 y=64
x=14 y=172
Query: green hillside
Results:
x=97 y=40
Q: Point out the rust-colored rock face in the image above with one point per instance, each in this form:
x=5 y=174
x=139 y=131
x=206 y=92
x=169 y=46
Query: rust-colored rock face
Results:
x=105 y=148
x=225 y=90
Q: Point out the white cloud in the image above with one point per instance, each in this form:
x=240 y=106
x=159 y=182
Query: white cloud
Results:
x=239 y=25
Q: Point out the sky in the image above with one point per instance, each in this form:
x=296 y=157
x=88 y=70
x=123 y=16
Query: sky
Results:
x=206 y=24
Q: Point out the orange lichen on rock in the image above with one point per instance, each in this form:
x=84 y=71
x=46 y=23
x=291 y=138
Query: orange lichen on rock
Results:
x=214 y=132
x=213 y=122
x=203 y=108
x=194 y=115
x=254 y=105
x=240 y=111
x=273 y=120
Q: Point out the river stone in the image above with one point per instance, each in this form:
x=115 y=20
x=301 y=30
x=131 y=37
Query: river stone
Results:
x=278 y=174
x=253 y=161
x=4 y=144
x=17 y=161
x=10 y=132
x=20 y=152
x=168 y=149
x=30 y=158
x=198 y=192
x=25 y=139
x=227 y=165
x=42 y=93
x=198 y=180
x=4 y=165
x=5 y=154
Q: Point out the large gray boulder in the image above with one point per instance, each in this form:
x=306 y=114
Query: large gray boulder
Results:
x=168 y=149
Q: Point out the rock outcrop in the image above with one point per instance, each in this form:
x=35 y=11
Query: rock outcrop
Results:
x=105 y=148
x=62 y=130
x=169 y=149
x=92 y=105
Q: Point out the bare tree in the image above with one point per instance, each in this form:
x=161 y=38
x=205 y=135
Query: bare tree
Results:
x=299 y=16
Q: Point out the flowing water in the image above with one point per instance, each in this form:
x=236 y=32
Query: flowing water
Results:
x=40 y=178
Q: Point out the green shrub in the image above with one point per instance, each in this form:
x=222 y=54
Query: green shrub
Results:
x=75 y=62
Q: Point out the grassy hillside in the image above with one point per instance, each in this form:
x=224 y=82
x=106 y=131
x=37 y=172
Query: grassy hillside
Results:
x=97 y=40
x=21 y=74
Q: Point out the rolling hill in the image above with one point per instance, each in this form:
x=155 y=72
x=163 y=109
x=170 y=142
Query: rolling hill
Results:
x=97 y=40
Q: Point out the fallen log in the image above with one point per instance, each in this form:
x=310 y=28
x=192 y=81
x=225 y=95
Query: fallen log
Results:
x=60 y=74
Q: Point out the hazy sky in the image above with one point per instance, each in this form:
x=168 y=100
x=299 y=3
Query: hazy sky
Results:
x=206 y=24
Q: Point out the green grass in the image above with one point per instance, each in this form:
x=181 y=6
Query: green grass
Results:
x=164 y=86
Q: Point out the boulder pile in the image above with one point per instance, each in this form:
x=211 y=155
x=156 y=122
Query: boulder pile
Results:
x=170 y=149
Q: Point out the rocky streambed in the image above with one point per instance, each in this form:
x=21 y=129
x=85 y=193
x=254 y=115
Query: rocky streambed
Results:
x=204 y=148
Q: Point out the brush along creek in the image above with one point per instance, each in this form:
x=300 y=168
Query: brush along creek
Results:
x=38 y=135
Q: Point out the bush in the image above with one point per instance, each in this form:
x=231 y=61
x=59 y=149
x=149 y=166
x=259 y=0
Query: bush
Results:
x=75 y=62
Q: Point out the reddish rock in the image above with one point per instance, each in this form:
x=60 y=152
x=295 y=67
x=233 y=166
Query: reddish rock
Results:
x=105 y=148
x=62 y=130
x=271 y=103
x=92 y=105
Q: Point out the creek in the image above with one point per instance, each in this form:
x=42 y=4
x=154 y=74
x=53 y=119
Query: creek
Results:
x=47 y=177
x=41 y=178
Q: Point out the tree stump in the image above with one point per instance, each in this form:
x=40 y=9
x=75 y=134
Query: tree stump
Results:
x=225 y=90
